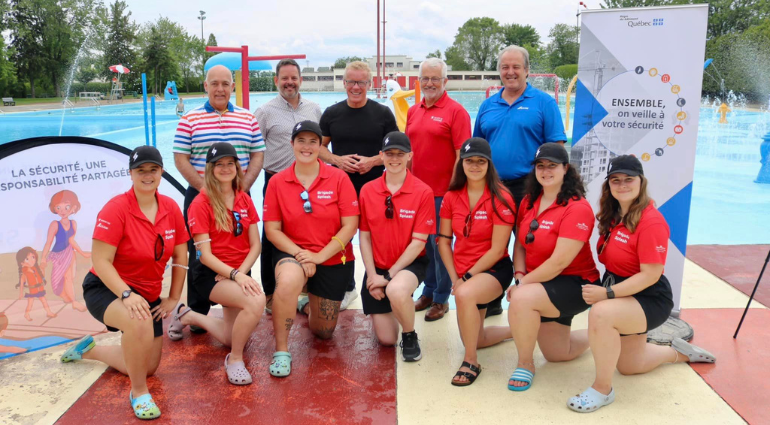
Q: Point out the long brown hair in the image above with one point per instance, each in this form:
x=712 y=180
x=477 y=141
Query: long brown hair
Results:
x=609 y=208
x=571 y=188
x=216 y=199
x=21 y=256
x=496 y=187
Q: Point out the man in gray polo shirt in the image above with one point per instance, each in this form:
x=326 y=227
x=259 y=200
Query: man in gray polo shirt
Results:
x=277 y=118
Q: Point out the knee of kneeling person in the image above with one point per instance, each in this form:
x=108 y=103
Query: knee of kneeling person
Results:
x=627 y=369
x=139 y=329
x=522 y=297
x=600 y=315
x=322 y=332
x=387 y=340
x=396 y=293
x=255 y=304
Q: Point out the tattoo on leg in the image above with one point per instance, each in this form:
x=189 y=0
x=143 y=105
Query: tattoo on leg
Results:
x=289 y=322
x=324 y=332
x=328 y=309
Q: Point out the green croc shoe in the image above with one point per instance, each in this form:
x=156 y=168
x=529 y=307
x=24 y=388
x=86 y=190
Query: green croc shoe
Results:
x=75 y=352
x=144 y=407
x=281 y=365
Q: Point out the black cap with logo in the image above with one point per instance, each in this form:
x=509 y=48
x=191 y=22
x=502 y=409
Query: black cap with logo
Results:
x=553 y=152
x=143 y=155
x=476 y=146
x=306 y=125
x=220 y=150
x=626 y=164
x=396 y=140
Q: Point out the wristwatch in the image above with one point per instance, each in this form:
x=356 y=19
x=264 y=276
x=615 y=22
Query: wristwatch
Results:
x=610 y=293
x=467 y=276
x=387 y=276
x=125 y=294
x=516 y=282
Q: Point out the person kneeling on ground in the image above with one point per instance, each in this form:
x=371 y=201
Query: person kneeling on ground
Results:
x=635 y=296
x=397 y=215
x=223 y=222
x=136 y=233
x=311 y=214
x=480 y=212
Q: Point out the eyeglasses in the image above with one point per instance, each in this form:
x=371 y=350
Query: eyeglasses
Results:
x=159 y=243
x=353 y=83
x=534 y=225
x=468 y=225
x=306 y=206
x=238 y=226
x=434 y=80
x=389 y=205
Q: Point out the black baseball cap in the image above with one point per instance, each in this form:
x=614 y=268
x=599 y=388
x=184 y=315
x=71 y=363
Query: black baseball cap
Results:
x=553 y=152
x=307 y=125
x=626 y=164
x=220 y=150
x=396 y=140
x=476 y=146
x=143 y=155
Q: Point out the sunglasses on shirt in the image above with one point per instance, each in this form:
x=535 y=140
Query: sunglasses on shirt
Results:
x=159 y=243
x=306 y=206
x=606 y=241
x=468 y=225
x=389 y=207
x=238 y=226
x=534 y=225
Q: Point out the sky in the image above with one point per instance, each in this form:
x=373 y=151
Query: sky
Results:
x=327 y=30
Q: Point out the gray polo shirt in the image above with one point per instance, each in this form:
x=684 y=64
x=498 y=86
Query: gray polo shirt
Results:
x=276 y=119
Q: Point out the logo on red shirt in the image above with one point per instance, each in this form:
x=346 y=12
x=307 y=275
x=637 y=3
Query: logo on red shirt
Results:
x=429 y=222
x=660 y=248
x=582 y=226
x=355 y=203
x=324 y=194
x=437 y=119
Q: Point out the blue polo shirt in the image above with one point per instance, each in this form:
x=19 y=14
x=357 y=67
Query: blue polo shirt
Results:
x=516 y=131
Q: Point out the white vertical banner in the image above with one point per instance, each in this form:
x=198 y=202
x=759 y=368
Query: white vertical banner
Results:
x=640 y=73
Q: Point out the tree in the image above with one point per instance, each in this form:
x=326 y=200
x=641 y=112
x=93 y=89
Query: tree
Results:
x=120 y=38
x=344 y=61
x=88 y=70
x=26 y=39
x=563 y=47
x=7 y=71
x=189 y=56
x=436 y=54
x=158 y=62
x=477 y=43
x=519 y=35
x=455 y=59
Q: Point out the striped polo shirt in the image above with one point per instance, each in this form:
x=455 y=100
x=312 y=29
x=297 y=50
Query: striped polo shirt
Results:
x=277 y=119
x=204 y=126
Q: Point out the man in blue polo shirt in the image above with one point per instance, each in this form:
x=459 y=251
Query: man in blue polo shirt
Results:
x=516 y=121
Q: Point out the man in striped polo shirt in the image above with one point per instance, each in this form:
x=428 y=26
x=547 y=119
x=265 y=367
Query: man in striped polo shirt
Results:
x=217 y=120
x=277 y=119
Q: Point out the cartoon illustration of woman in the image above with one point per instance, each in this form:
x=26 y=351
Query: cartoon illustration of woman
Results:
x=31 y=278
x=62 y=254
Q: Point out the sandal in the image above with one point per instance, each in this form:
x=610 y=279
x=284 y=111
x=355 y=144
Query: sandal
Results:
x=301 y=303
x=237 y=373
x=144 y=407
x=281 y=365
x=75 y=352
x=590 y=400
x=176 y=326
x=521 y=375
x=694 y=353
x=469 y=376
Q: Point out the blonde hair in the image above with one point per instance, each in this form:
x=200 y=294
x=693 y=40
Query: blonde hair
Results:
x=359 y=66
x=609 y=208
x=216 y=199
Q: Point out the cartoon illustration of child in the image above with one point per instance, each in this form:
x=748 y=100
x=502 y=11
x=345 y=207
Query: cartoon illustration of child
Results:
x=62 y=254
x=31 y=278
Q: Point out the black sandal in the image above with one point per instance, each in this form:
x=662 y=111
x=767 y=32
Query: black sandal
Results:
x=469 y=376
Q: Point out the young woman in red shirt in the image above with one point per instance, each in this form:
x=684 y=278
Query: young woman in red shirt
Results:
x=223 y=222
x=635 y=296
x=479 y=211
x=553 y=261
x=135 y=235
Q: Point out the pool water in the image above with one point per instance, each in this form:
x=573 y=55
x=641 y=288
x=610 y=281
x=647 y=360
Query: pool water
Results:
x=727 y=206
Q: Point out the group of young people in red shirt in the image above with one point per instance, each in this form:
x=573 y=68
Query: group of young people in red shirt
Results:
x=312 y=213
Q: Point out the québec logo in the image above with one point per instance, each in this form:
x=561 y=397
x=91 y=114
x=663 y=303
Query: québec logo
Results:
x=660 y=248
x=582 y=226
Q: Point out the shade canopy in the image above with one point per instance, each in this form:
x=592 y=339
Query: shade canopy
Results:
x=232 y=61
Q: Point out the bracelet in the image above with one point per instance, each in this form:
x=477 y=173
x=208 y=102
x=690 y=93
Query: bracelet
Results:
x=204 y=241
x=179 y=265
x=515 y=274
x=418 y=239
x=343 y=248
x=233 y=273
x=443 y=236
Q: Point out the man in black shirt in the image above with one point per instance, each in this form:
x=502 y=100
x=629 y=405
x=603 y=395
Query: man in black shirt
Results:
x=355 y=128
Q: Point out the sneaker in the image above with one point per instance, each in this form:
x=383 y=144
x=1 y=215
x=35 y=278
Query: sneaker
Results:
x=197 y=330
x=410 y=347
x=494 y=308
x=349 y=297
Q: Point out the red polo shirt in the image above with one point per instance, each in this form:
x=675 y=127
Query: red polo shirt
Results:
x=572 y=221
x=228 y=248
x=122 y=224
x=626 y=251
x=332 y=197
x=436 y=132
x=413 y=212
x=456 y=207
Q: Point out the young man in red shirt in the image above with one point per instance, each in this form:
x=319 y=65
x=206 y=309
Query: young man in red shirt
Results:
x=397 y=215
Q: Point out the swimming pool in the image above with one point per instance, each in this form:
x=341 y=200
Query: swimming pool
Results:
x=727 y=206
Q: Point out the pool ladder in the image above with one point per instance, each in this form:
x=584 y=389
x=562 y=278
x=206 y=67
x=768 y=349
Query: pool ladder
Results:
x=96 y=102
x=67 y=104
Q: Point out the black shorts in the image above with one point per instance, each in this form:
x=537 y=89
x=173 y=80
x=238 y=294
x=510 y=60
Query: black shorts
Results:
x=656 y=300
x=204 y=280
x=566 y=294
x=503 y=272
x=372 y=306
x=328 y=282
x=98 y=297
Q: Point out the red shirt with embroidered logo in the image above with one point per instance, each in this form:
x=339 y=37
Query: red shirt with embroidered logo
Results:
x=572 y=221
x=436 y=133
x=413 y=212
x=228 y=248
x=123 y=225
x=456 y=206
x=332 y=197
x=626 y=251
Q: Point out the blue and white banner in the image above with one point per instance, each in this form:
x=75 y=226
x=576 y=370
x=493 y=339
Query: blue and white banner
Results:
x=638 y=92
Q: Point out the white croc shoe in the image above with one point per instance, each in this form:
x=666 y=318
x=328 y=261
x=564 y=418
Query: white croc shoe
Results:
x=349 y=297
x=590 y=400
x=694 y=353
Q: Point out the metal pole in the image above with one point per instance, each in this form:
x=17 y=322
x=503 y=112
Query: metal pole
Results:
x=752 y=296
x=384 y=56
x=377 y=64
x=144 y=100
x=154 y=136
x=245 y=76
